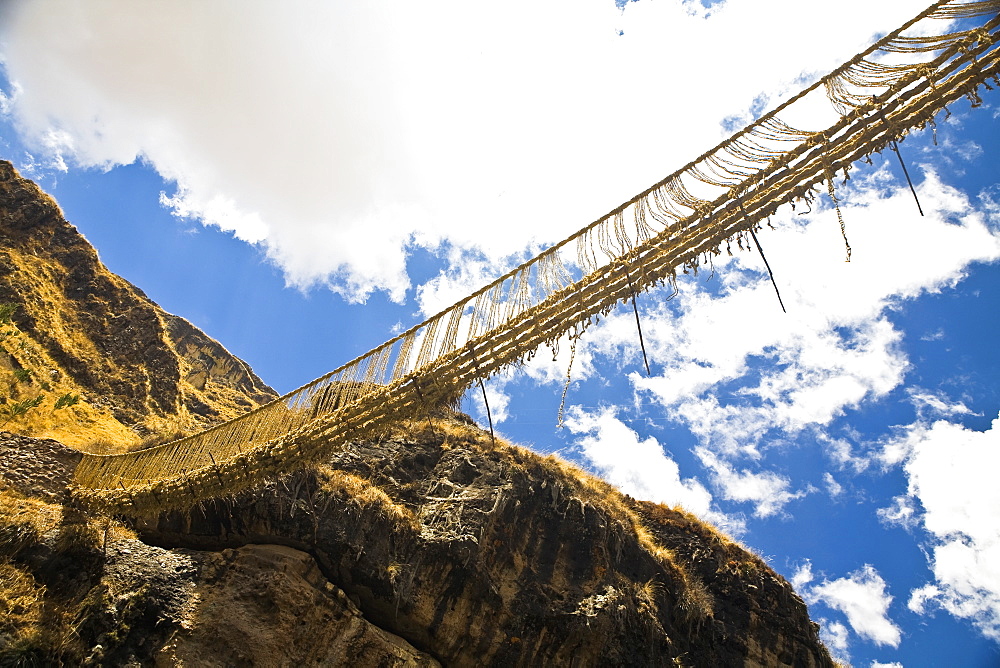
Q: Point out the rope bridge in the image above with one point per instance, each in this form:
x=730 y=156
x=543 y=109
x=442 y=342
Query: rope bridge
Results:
x=723 y=195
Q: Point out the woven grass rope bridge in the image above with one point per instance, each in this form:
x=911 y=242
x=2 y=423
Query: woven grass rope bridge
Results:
x=719 y=198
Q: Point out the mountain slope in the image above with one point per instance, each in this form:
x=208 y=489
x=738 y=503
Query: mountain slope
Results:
x=82 y=329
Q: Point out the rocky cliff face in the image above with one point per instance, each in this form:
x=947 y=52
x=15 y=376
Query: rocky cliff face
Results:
x=429 y=547
x=478 y=554
x=432 y=545
x=89 y=331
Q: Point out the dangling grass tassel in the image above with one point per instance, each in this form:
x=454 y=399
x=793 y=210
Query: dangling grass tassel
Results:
x=569 y=376
x=840 y=217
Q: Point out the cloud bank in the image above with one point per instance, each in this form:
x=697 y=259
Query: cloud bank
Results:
x=341 y=136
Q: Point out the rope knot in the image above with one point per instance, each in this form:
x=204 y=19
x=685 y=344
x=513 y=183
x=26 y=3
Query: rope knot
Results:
x=929 y=73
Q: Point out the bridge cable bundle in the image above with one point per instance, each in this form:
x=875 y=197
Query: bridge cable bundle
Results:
x=678 y=223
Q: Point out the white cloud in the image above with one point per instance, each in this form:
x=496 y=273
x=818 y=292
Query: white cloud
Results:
x=7 y=102
x=928 y=403
x=339 y=135
x=836 y=638
x=903 y=512
x=639 y=468
x=952 y=476
x=936 y=335
x=863 y=598
x=842 y=452
x=802 y=576
x=879 y=664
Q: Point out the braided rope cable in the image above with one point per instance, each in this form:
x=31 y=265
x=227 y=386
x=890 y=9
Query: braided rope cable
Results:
x=765 y=165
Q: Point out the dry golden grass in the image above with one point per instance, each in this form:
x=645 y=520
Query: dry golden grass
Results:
x=21 y=602
x=102 y=446
x=362 y=492
x=25 y=520
x=36 y=623
x=19 y=510
x=77 y=536
x=645 y=595
x=115 y=530
x=75 y=425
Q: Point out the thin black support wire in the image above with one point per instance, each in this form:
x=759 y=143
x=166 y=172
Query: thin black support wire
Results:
x=760 y=250
x=638 y=325
x=486 y=402
x=769 y=272
x=489 y=416
x=895 y=149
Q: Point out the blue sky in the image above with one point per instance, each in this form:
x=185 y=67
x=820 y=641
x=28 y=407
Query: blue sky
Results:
x=303 y=184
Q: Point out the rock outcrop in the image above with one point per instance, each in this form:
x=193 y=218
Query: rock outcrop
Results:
x=97 y=595
x=86 y=330
x=492 y=555
x=429 y=547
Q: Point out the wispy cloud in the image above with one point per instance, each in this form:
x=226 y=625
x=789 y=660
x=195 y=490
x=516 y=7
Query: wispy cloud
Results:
x=903 y=512
x=844 y=453
x=769 y=491
x=833 y=487
x=929 y=404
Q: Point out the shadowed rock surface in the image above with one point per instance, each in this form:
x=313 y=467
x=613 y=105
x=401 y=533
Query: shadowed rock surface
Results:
x=430 y=547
